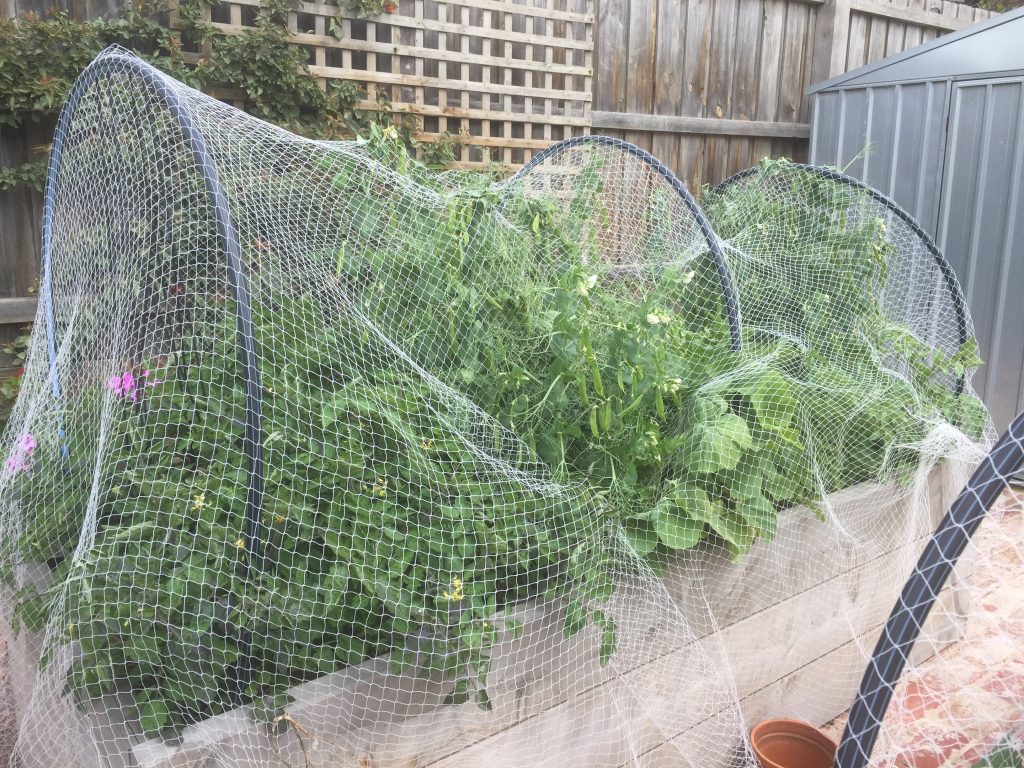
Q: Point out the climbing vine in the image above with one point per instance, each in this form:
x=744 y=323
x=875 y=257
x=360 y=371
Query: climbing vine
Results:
x=40 y=57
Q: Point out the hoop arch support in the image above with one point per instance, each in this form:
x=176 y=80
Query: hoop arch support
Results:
x=948 y=276
x=731 y=308
x=115 y=62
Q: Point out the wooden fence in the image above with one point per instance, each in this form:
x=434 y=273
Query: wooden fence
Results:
x=709 y=86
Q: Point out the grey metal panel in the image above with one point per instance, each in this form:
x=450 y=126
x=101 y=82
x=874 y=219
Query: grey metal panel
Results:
x=980 y=221
x=946 y=141
x=991 y=46
x=897 y=130
x=880 y=135
x=853 y=133
x=824 y=127
x=917 y=172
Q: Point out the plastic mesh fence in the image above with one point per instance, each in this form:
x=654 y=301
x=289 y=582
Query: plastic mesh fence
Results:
x=325 y=459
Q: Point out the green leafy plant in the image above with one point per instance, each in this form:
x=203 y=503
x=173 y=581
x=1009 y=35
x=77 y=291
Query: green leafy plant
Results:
x=1007 y=754
x=40 y=57
x=395 y=518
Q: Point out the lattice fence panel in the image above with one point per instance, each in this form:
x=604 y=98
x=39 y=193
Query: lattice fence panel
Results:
x=503 y=78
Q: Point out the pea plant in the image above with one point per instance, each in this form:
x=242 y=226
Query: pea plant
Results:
x=459 y=413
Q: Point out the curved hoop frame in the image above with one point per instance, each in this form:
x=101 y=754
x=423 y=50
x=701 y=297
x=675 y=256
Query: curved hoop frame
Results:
x=118 y=62
x=724 y=277
x=948 y=276
x=919 y=595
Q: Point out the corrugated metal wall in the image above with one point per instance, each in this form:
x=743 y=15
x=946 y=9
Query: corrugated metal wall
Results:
x=952 y=153
x=979 y=228
x=887 y=135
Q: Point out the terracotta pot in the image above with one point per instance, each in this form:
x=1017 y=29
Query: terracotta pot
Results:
x=785 y=743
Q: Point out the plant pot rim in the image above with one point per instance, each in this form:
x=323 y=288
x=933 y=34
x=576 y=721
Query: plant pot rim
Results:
x=798 y=731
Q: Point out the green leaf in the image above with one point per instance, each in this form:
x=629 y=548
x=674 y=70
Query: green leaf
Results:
x=773 y=401
x=460 y=694
x=143 y=649
x=728 y=525
x=715 y=444
x=483 y=700
x=641 y=535
x=677 y=518
x=575 y=618
x=153 y=716
x=759 y=514
x=514 y=627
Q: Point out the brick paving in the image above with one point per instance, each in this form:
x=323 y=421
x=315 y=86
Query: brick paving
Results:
x=954 y=708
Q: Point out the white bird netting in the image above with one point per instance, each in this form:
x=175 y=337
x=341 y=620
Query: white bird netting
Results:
x=325 y=459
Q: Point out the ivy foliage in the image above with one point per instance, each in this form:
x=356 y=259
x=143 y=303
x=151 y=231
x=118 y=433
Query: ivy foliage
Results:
x=40 y=57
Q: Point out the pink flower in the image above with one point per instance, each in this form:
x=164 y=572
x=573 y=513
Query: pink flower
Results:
x=16 y=463
x=26 y=443
x=127 y=386
x=124 y=385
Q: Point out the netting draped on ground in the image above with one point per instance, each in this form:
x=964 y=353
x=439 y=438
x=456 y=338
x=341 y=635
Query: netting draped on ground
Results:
x=323 y=458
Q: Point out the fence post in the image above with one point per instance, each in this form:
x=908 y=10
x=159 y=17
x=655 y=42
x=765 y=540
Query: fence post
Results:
x=831 y=38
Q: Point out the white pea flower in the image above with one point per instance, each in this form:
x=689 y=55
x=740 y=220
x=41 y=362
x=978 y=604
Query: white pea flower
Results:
x=585 y=285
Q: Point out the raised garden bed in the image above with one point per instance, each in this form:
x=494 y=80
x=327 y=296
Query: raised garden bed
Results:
x=792 y=636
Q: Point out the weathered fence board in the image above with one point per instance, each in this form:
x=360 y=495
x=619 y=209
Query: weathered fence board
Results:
x=740 y=61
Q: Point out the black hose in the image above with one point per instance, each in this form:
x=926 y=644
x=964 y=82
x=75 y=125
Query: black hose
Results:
x=115 y=62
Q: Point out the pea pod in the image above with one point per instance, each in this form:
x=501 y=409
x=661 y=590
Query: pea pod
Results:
x=593 y=422
x=581 y=385
x=659 y=403
x=605 y=415
x=595 y=374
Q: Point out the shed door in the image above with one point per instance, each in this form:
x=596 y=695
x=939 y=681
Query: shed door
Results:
x=981 y=229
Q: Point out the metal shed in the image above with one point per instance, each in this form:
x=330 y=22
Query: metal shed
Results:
x=940 y=129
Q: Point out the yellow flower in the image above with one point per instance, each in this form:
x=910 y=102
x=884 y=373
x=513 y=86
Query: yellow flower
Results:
x=240 y=543
x=278 y=518
x=199 y=502
x=456 y=595
x=380 y=488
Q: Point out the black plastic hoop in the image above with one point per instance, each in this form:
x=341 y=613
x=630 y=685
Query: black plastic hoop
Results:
x=118 y=61
x=919 y=594
x=948 y=276
x=724 y=277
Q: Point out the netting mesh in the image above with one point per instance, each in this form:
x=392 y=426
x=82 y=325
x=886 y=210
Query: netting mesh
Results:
x=923 y=699
x=325 y=459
